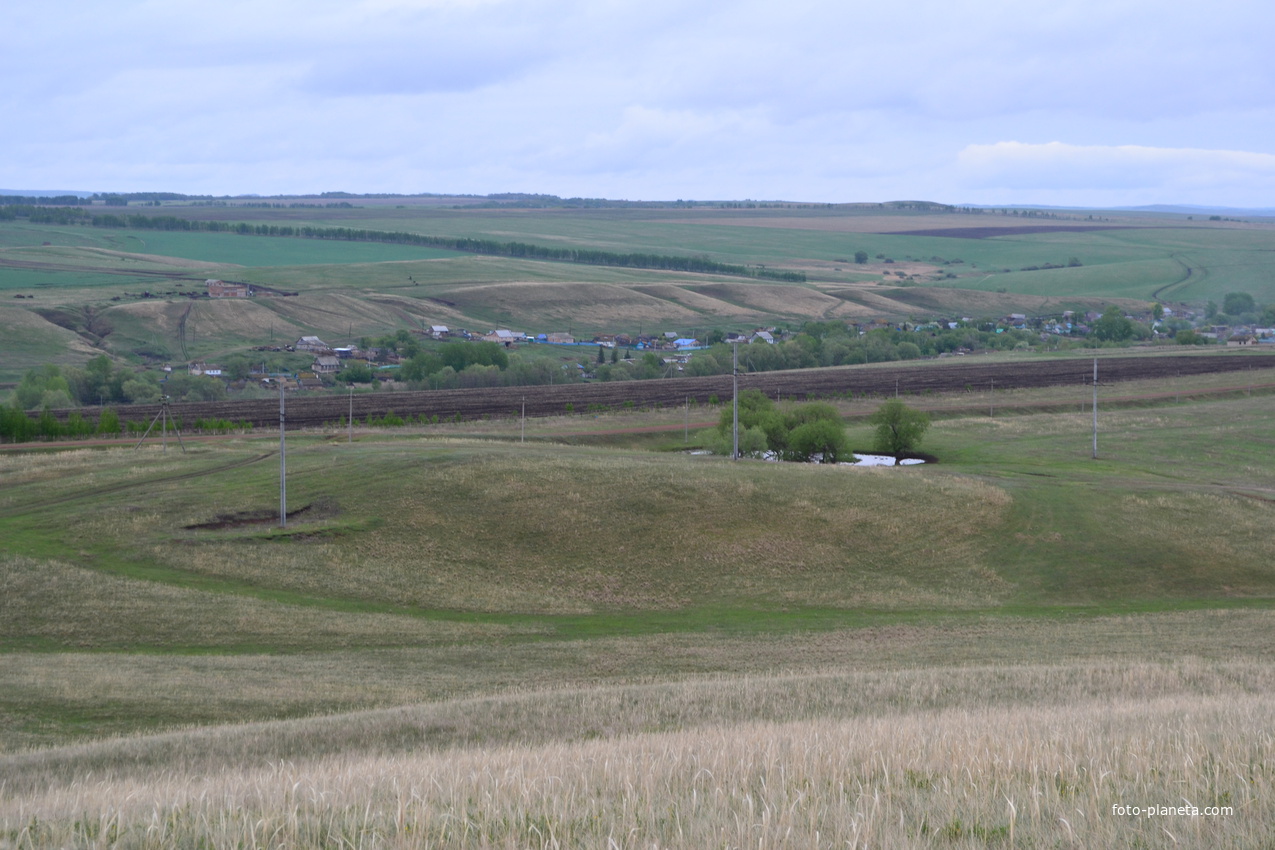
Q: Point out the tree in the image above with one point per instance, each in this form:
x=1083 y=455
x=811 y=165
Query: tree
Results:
x=899 y=428
x=361 y=373
x=1114 y=326
x=822 y=437
x=602 y=354
x=1238 y=303
x=860 y=257
x=1157 y=311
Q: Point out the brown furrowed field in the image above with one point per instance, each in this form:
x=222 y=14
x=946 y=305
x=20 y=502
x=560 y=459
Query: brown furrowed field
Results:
x=879 y=381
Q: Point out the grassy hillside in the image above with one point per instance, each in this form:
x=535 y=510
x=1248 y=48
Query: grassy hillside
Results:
x=578 y=641
x=408 y=540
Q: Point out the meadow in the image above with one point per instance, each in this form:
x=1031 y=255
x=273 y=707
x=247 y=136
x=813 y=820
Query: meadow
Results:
x=488 y=643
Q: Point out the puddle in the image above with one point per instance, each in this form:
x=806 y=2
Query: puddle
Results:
x=883 y=460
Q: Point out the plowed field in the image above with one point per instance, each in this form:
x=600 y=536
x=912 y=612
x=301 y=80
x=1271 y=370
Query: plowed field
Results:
x=310 y=411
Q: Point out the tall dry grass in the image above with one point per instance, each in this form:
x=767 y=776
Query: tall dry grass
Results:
x=1023 y=773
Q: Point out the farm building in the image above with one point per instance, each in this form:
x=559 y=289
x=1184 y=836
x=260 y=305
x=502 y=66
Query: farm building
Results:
x=439 y=331
x=763 y=336
x=504 y=337
x=209 y=369
x=326 y=364
x=560 y=339
x=310 y=343
x=221 y=289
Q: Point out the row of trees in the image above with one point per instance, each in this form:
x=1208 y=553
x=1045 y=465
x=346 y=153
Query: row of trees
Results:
x=100 y=382
x=17 y=427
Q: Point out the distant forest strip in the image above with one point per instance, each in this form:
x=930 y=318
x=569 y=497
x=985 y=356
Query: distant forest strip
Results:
x=522 y=250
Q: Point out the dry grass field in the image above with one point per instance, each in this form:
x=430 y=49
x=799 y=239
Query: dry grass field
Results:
x=965 y=756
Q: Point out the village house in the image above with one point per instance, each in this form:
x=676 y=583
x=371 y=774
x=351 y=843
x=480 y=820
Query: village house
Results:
x=311 y=343
x=207 y=369
x=763 y=336
x=438 y=331
x=326 y=364
x=505 y=337
x=221 y=289
x=560 y=339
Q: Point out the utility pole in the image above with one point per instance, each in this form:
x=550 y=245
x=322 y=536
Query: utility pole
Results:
x=524 y=419
x=991 y=403
x=686 y=434
x=283 y=465
x=163 y=413
x=734 y=377
x=350 y=419
x=1095 y=408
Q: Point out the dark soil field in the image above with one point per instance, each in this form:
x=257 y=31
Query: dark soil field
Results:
x=313 y=411
x=1023 y=230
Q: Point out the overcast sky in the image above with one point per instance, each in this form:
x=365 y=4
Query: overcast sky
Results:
x=1098 y=102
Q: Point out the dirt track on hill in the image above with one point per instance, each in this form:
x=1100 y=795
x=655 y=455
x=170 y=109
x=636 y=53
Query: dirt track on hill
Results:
x=969 y=373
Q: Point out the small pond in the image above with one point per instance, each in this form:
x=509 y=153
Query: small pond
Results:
x=882 y=460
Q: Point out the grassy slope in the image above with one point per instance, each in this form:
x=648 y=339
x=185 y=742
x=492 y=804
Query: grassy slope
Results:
x=489 y=610
x=540 y=547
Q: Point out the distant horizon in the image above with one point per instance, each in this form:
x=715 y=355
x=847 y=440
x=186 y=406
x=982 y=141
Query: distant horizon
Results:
x=1185 y=209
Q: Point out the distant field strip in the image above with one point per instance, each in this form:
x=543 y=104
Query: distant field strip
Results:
x=588 y=256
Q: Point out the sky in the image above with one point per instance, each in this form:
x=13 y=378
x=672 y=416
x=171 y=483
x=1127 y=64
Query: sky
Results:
x=1088 y=103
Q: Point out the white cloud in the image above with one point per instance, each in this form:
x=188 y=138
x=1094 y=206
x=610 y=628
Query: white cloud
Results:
x=1164 y=172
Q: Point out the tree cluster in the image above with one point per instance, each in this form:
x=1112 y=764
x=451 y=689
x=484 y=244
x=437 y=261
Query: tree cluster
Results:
x=800 y=433
x=99 y=382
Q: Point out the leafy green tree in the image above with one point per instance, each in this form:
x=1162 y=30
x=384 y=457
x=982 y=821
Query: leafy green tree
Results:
x=909 y=351
x=43 y=387
x=821 y=437
x=899 y=428
x=602 y=354
x=752 y=442
x=140 y=391
x=108 y=422
x=1238 y=304
x=418 y=368
x=180 y=387
x=1157 y=311
x=1210 y=309
x=361 y=373
x=860 y=257
x=1190 y=337
x=1114 y=326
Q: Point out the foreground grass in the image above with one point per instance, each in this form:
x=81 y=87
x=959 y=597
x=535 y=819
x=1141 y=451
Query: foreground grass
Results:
x=1026 y=756
x=474 y=643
